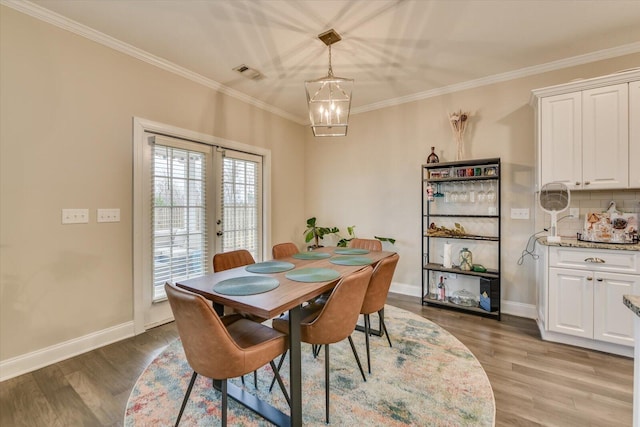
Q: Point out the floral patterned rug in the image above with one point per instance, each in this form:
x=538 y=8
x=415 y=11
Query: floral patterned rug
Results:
x=427 y=378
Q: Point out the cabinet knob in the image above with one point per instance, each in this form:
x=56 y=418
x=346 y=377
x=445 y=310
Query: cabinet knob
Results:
x=589 y=278
x=595 y=260
x=599 y=280
x=577 y=183
x=587 y=183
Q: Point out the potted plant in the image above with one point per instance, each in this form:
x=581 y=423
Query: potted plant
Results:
x=344 y=242
x=316 y=233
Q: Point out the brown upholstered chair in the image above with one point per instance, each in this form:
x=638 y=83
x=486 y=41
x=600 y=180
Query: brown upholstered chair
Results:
x=369 y=244
x=284 y=250
x=232 y=259
x=221 y=347
x=376 y=297
x=333 y=321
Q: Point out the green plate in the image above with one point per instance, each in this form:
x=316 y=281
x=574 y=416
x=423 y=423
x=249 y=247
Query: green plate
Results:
x=246 y=285
x=270 y=267
x=312 y=275
x=311 y=255
x=351 y=260
x=351 y=251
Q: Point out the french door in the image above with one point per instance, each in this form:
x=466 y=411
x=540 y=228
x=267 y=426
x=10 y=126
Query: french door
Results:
x=197 y=199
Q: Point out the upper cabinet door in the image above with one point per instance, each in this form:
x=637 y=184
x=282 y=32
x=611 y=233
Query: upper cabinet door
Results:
x=634 y=134
x=605 y=137
x=561 y=140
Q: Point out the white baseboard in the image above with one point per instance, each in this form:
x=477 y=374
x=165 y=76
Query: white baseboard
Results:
x=508 y=307
x=29 y=362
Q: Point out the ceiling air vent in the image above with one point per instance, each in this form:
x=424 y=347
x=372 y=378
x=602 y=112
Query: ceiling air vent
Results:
x=248 y=72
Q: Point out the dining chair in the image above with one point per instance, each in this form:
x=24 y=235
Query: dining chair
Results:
x=284 y=250
x=333 y=321
x=376 y=297
x=222 y=347
x=226 y=261
x=369 y=244
x=232 y=259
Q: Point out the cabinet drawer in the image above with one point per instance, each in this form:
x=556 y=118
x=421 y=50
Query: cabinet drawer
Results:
x=595 y=259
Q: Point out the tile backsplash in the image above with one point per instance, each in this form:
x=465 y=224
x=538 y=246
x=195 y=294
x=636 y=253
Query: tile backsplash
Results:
x=590 y=201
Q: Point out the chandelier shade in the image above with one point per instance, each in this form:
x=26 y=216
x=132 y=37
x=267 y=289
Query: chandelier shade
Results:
x=329 y=98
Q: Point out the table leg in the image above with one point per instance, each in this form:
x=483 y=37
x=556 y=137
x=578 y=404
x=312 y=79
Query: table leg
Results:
x=295 y=366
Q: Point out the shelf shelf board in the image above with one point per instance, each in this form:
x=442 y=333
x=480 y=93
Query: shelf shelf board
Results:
x=462 y=178
x=460 y=307
x=460 y=163
x=460 y=216
x=465 y=237
x=490 y=274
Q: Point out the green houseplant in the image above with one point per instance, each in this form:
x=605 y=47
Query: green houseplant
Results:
x=344 y=242
x=316 y=233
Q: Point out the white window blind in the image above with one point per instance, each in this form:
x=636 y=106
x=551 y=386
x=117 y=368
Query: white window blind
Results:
x=179 y=214
x=242 y=203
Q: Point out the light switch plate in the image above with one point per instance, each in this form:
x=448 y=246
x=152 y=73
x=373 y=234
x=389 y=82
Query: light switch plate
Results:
x=520 y=213
x=108 y=215
x=75 y=216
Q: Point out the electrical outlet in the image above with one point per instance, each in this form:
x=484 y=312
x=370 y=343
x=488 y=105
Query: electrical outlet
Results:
x=520 y=213
x=75 y=216
x=574 y=212
x=108 y=215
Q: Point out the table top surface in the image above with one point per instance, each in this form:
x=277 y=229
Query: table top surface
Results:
x=289 y=294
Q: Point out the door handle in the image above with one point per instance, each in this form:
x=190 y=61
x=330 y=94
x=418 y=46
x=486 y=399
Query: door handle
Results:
x=599 y=280
x=595 y=260
x=219 y=233
x=589 y=278
x=587 y=182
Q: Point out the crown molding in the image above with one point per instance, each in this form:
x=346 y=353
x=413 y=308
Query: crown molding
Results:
x=60 y=21
x=503 y=77
x=89 y=33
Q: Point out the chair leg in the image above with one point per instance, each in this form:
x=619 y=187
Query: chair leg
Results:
x=255 y=379
x=355 y=353
x=384 y=326
x=224 y=403
x=186 y=396
x=273 y=381
x=367 y=333
x=276 y=376
x=326 y=381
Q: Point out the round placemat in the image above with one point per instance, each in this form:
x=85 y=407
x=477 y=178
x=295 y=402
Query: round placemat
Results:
x=270 y=267
x=351 y=251
x=246 y=285
x=312 y=275
x=311 y=255
x=351 y=260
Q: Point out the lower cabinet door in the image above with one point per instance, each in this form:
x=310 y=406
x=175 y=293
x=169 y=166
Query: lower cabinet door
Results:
x=612 y=321
x=571 y=302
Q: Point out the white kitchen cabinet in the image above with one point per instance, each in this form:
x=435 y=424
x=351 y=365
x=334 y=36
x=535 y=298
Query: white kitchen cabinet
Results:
x=588 y=304
x=587 y=133
x=580 y=300
x=561 y=139
x=605 y=137
x=634 y=134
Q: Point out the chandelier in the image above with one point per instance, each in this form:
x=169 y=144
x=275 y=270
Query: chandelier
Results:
x=329 y=97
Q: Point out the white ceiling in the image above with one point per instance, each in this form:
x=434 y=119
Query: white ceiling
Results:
x=395 y=50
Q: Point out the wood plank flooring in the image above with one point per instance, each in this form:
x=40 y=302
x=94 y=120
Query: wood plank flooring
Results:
x=535 y=383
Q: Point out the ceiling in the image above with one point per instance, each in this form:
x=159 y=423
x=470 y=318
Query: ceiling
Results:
x=396 y=50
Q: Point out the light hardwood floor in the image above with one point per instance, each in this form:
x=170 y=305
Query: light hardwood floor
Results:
x=535 y=383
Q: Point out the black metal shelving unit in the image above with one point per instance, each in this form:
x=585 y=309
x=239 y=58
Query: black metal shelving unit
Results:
x=468 y=172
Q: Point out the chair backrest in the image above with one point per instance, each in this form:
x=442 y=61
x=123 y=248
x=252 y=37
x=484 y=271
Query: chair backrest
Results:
x=369 y=244
x=379 y=285
x=232 y=259
x=209 y=348
x=284 y=250
x=340 y=313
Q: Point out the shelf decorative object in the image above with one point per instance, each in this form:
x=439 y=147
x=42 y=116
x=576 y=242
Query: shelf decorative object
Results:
x=458 y=121
x=467 y=217
x=433 y=157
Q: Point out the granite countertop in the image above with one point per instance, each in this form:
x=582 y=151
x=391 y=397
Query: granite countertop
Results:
x=633 y=302
x=575 y=243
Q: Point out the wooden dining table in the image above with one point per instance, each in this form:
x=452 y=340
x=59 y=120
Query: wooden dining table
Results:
x=289 y=296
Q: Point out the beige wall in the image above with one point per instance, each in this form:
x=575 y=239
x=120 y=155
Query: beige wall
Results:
x=66 y=121
x=372 y=179
x=66 y=115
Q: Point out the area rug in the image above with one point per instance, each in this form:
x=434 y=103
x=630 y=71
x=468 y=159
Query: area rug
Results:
x=428 y=378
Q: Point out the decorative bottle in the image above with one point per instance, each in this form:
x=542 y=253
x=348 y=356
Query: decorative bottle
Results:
x=466 y=261
x=433 y=157
x=442 y=290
